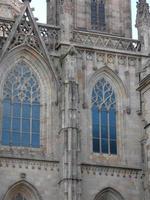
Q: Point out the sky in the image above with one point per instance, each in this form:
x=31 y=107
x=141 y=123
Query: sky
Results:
x=40 y=12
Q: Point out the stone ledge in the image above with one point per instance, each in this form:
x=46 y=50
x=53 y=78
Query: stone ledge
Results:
x=124 y=172
x=47 y=165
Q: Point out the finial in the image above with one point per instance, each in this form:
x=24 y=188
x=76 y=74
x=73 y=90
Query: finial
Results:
x=143 y=13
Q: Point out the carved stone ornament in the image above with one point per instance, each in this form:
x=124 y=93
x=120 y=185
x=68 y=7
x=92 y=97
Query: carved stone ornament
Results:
x=143 y=14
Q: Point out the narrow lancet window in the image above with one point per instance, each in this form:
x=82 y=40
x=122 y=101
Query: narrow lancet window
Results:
x=21 y=108
x=94 y=14
x=104 y=118
x=101 y=15
x=98 y=15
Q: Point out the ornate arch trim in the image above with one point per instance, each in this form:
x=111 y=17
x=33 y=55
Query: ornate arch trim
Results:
x=110 y=193
x=24 y=187
x=48 y=86
x=32 y=57
x=107 y=72
x=121 y=91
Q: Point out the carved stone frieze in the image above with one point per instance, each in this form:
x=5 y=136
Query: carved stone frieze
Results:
x=89 y=55
x=49 y=34
x=110 y=59
x=122 y=60
x=29 y=164
x=97 y=40
x=102 y=58
x=132 y=61
x=112 y=171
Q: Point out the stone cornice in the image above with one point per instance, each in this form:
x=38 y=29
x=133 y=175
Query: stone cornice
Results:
x=29 y=164
x=117 y=171
x=105 y=41
x=102 y=49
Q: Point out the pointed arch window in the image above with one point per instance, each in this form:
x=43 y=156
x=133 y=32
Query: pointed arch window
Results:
x=98 y=14
x=21 y=108
x=109 y=194
x=104 y=118
x=19 y=196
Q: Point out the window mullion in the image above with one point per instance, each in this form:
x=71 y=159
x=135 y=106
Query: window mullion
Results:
x=108 y=131
x=100 y=131
x=24 y=92
x=11 y=119
x=21 y=120
x=104 y=96
x=31 y=124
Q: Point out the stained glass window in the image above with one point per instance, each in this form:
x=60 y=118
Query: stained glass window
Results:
x=94 y=14
x=19 y=196
x=101 y=14
x=21 y=108
x=104 y=118
x=98 y=14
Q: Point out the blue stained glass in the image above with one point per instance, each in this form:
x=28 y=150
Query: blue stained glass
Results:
x=6 y=123
x=6 y=107
x=21 y=106
x=16 y=109
x=112 y=114
x=112 y=121
x=113 y=147
x=112 y=132
x=94 y=12
x=36 y=126
x=98 y=14
x=102 y=14
x=96 y=130
x=104 y=133
x=104 y=144
x=26 y=125
x=16 y=124
x=5 y=137
x=36 y=111
x=26 y=109
x=95 y=118
x=35 y=140
x=104 y=116
x=104 y=119
x=26 y=139
x=16 y=138
x=96 y=146
x=104 y=123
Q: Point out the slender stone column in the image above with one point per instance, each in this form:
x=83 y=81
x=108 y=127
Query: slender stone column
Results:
x=70 y=134
x=143 y=25
x=144 y=89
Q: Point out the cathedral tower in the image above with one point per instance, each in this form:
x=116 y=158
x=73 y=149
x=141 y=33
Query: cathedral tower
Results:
x=109 y=16
x=71 y=117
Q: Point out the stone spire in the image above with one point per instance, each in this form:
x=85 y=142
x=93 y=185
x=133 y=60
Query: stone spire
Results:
x=143 y=25
x=143 y=13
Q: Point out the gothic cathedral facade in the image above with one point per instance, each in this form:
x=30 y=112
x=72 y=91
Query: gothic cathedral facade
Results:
x=74 y=101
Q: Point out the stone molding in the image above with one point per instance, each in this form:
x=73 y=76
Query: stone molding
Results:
x=99 y=40
x=50 y=34
x=29 y=164
x=123 y=172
